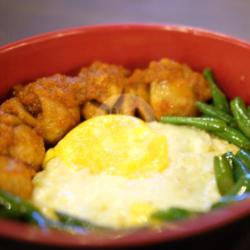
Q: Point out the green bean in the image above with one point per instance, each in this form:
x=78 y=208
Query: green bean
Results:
x=219 y=98
x=223 y=174
x=228 y=155
x=69 y=228
x=212 y=111
x=173 y=214
x=239 y=168
x=230 y=199
x=206 y=123
x=241 y=116
x=244 y=156
x=16 y=207
x=9 y=214
x=73 y=221
x=241 y=186
x=234 y=136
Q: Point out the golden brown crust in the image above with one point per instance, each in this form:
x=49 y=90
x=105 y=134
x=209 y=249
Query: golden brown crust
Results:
x=9 y=119
x=6 y=135
x=92 y=109
x=174 y=87
x=103 y=81
x=23 y=143
x=56 y=119
x=15 y=107
x=27 y=146
x=55 y=87
x=15 y=177
x=53 y=104
x=172 y=99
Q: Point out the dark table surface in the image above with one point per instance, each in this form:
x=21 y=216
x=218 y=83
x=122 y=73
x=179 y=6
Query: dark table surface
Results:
x=22 y=18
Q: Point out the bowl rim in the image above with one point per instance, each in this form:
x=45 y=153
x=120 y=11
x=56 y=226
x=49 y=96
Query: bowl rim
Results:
x=155 y=26
x=212 y=220
x=180 y=230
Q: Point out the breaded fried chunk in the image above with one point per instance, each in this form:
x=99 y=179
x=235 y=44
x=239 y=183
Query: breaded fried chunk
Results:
x=53 y=103
x=21 y=142
x=103 y=81
x=56 y=119
x=27 y=146
x=174 y=87
x=15 y=107
x=15 y=177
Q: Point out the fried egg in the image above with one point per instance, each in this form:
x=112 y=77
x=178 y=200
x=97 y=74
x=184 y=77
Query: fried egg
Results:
x=116 y=170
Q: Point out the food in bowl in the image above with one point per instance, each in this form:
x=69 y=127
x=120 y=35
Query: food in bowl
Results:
x=115 y=170
x=41 y=113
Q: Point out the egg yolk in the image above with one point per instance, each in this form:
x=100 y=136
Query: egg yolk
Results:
x=113 y=144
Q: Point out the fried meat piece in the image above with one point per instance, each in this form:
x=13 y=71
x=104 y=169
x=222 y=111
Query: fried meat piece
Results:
x=9 y=119
x=174 y=87
x=56 y=119
x=15 y=177
x=23 y=143
x=27 y=146
x=52 y=100
x=6 y=135
x=103 y=81
x=15 y=107
x=138 y=89
x=176 y=98
x=56 y=87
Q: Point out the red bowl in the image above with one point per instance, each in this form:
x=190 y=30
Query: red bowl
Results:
x=132 y=46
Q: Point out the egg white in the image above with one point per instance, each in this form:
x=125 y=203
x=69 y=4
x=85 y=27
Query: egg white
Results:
x=116 y=201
